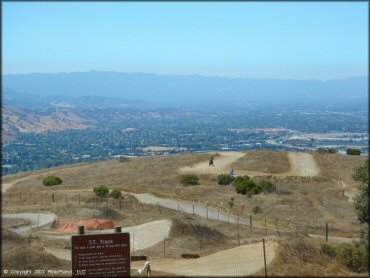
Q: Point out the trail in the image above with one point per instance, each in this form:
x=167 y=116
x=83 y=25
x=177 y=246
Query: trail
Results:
x=221 y=164
x=37 y=220
x=239 y=261
x=187 y=207
x=334 y=238
x=301 y=164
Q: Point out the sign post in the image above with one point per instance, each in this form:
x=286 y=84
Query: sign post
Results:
x=101 y=255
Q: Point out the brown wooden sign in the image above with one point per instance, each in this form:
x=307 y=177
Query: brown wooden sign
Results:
x=101 y=255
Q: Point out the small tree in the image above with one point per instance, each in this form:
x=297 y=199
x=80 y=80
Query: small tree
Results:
x=101 y=190
x=231 y=202
x=115 y=193
x=257 y=209
x=52 y=180
x=189 y=179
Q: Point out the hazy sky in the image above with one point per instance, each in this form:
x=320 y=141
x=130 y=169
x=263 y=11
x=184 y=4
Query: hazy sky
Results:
x=287 y=40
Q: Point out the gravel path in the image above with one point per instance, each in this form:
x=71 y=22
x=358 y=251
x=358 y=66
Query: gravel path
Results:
x=187 y=207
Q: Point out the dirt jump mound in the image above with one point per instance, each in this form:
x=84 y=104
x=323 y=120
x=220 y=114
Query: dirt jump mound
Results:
x=90 y=224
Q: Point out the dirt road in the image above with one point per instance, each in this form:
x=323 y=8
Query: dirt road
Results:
x=240 y=261
x=187 y=207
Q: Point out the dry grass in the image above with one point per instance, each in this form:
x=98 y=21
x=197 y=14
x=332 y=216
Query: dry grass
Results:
x=266 y=161
x=301 y=257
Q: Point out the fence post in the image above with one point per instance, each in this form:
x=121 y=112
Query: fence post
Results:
x=52 y=195
x=264 y=256
x=326 y=231
x=193 y=209
x=81 y=230
x=242 y=210
x=265 y=227
x=159 y=208
x=238 y=235
x=164 y=247
x=118 y=229
x=250 y=221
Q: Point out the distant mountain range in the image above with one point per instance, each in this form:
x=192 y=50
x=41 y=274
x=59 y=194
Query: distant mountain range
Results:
x=98 y=89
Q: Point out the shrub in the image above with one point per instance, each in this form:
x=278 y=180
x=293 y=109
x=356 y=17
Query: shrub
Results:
x=241 y=188
x=189 y=179
x=123 y=158
x=225 y=179
x=353 y=151
x=257 y=209
x=245 y=185
x=354 y=256
x=328 y=249
x=231 y=202
x=327 y=150
x=267 y=186
x=240 y=179
x=52 y=180
x=116 y=194
x=101 y=190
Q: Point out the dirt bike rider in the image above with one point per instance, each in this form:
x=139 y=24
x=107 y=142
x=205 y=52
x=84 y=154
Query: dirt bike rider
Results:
x=232 y=172
x=210 y=161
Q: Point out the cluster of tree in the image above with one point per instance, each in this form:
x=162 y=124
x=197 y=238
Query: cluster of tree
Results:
x=353 y=151
x=52 y=180
x=103 y=191
x=246 y=185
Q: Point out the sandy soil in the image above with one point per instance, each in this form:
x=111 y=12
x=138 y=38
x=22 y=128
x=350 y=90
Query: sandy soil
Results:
x=302 y=164
x=240 y=261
